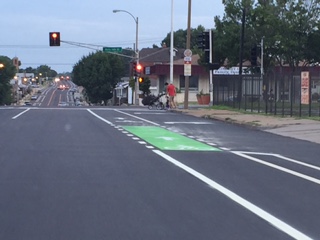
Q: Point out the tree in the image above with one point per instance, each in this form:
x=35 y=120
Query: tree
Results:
x=7 y=72
x=98 y=73
x=290 y=30
x=180 y=38
x=145 y=86
x=45 y=70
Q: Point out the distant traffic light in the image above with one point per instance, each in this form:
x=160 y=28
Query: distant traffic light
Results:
x=140 y=80
x=54 y=39
x=203 y=41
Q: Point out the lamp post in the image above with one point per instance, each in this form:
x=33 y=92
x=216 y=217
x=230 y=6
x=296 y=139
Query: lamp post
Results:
x=171 y=45
x=136 y=52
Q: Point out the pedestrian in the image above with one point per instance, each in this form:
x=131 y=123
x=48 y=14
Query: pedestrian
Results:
x=165 y=88
x=171 y=92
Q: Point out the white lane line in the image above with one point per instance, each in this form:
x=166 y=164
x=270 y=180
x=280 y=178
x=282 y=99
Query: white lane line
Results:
x=224 y=148
x=212 y=144
x=298 y=162
x=142 y=119
x=97 y=116
x=277 y=223
x=297 y=174
x=197 y=123
x=284 y=158
x=15 y=117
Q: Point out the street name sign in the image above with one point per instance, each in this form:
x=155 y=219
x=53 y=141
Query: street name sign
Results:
x=112 y=49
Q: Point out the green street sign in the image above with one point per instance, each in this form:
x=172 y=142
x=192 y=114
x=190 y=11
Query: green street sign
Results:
x=112 y=49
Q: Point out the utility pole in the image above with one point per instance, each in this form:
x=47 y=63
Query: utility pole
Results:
x=171 y=45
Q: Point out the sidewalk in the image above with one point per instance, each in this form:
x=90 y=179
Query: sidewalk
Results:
x=303 y=129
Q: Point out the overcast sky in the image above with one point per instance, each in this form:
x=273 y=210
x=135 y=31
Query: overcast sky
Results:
x=25 y=26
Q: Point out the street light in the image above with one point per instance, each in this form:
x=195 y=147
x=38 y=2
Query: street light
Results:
x=136 y=52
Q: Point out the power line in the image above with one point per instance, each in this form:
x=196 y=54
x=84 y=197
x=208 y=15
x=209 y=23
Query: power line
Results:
x=37 y=46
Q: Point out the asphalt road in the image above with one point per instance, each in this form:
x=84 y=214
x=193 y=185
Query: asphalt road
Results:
x=132 y=173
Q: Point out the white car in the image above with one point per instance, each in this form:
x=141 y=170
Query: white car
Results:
x=62 y=104
x=34 y=97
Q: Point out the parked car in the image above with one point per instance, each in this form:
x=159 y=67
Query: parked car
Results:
x=34 y=97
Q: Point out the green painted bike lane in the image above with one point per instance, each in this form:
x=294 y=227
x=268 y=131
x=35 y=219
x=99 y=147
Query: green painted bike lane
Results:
x=166 y=140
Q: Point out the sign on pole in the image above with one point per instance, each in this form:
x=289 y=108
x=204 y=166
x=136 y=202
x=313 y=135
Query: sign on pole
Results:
x=187 y=62
x=112 y=49
x=305 y=85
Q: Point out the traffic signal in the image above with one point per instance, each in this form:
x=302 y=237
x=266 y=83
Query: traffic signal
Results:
x=140 y=80
x=54 y=39
x=254 y=52
x=203 y=41
x=134 y=68
x=139 y=69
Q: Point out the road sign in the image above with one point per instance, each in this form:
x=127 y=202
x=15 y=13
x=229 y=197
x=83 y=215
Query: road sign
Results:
x=112 y=49
x=187 y=66
x=187 y=53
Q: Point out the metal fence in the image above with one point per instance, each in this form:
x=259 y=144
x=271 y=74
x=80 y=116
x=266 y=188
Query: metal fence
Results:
x=277 y=93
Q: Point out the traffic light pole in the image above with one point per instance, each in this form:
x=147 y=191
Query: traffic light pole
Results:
x=210 y=72
x=136 y=53
x=137 y=58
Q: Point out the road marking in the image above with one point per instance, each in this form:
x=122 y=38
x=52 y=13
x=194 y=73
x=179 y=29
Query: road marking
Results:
x=196 y=123
x=167 y=140
x=101 y=118
x=151 y=113
x=145 y=120
x=50 y=99
x=128 y=121
x=277 y=223
x=15 y=117
x=297 y=174
x=284 y=158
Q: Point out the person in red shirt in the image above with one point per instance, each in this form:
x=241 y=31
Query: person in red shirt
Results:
x=171 y=91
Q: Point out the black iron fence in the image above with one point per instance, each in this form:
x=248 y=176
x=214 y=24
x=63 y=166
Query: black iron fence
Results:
x=278 y=93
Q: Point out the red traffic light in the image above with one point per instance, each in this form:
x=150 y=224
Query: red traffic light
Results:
x=139 y=67
x=54 y=38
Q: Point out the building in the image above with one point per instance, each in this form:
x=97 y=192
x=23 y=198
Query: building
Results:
x=156 y=66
